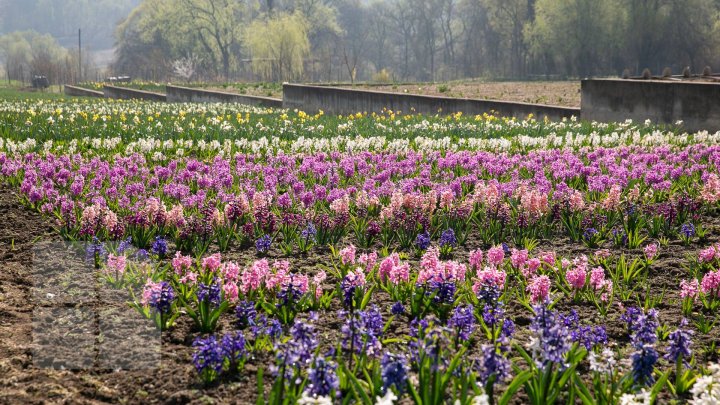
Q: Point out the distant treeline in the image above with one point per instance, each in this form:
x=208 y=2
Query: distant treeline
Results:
x=402 y=40
x=411 y=40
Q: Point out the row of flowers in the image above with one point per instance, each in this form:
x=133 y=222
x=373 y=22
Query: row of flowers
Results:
x=461 y=335
x=620 y=196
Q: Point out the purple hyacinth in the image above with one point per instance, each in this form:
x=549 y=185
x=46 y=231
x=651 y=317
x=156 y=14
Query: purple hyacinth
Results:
x=263 y=244
x=362 y=331
x=687 y=230
x=463 y=321
x=551 y=338
x=491 y=363
x=394 y=371
x=443 y=290
x=208 y=357
x=309 y=233
x=447 y=238
x=423 y=241
x=233 y=345
x=643 y=339
x=245 y=313
x=161 y=298
x=159 y=246
x=211 y=293
x=398 y=308
x=322 y=379
x=680 y=341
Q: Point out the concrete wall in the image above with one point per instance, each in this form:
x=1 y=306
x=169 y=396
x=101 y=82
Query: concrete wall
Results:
x=177 y=94
x=666 y=102
x=336 y=100
x=81 y=92
x=124 y=93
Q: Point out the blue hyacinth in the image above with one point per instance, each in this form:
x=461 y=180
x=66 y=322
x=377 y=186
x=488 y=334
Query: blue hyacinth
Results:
x=394 y=371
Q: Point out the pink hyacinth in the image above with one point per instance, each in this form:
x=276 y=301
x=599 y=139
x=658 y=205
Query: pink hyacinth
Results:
x=116 y=264
x=532 y=266
x=576 y=277
x=231 y=292
x=347 y=255
x=430 y=260
x=252 y=278
x=181 y=263
x=189 y=278
x=710 y=192
x=368 y=259
x=318 y=279
x=149 y=289
x=651 y=250
x=212 y=262
x=711 y=283
x=476 y=258
x=386 y=266
x=176 y=217
x=280 y=276
x=602 y=254
x=230 y=271
x=548 y=258
x=299 y=282
x=597 y=278
x=490 y=276
x=689 y=289
x=357 y=277
x=496 y=255
x=707 y=255
x=518 y=258
x=612 y=201
x=539 y=289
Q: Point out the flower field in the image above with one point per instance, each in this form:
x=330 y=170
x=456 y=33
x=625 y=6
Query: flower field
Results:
x=285 y=257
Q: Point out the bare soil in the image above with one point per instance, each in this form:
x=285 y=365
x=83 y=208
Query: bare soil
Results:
x=561 y=93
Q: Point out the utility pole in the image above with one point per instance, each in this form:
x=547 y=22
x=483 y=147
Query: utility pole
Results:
x=79 y=55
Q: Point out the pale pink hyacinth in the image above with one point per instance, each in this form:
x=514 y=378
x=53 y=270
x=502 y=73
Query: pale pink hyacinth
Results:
x=149 y=289
x=212 y=262
x=299 y=282
x=575 y=200
x=602 y=253
x=341 y=206
x=357 y=277
x=347 y=255
x=489 y=276
x=689 y=289
x=495 y=255
x=176 y=217
x=230 y=271
x=181 y=263
x=318 y=279
x=116 y=264
x=535 y=203
x=368 y=260
x=190 y=277
x=446 y=199
x=476 y=258
x=711 y=283
x=576 y=277
x=231 y=291
x=253 y=278
x=539 y=289
x=710 y=192
x=612 y=201
x=280 y=276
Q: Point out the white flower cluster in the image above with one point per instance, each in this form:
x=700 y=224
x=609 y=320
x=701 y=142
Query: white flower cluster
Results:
x=706 y=390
